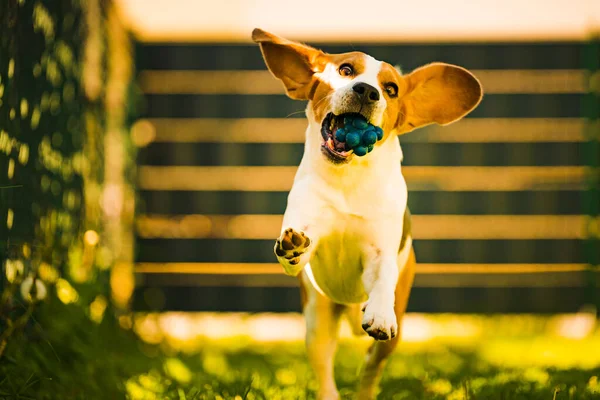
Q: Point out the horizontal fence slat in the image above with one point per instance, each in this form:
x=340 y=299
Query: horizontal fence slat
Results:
x=422 y=299
x=262 y=82
x=472 y=251
x=520 y=277
x=182 y=56
x=415 y=154
x=269 y=106
x=252 y=226
x=439 y=178
x=425 y=269
x=567 y=202
x=292 y=130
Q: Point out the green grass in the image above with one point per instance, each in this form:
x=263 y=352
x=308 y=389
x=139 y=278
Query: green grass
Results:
x=280 y=371
x=74 y=358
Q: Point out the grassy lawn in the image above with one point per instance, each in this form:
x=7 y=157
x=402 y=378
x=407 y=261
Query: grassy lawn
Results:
x=448 y=357
x=280 y=371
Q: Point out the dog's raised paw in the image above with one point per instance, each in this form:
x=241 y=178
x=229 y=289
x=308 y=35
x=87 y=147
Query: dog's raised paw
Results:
x=380 y=326
x=291 y=245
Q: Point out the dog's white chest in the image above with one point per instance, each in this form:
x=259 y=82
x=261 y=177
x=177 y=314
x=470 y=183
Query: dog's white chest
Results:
x=337 y=264
x=353 y=215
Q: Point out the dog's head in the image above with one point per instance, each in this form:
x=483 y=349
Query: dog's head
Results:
x=356 y=83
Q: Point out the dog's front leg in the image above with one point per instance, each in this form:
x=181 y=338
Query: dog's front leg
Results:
x=379 y=280
x=380 y=350
x=303 y=224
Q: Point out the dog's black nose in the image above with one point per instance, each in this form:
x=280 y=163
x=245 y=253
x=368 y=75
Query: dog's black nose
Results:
x=366 y=92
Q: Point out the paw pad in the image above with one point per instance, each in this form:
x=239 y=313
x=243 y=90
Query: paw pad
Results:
x=291 y=245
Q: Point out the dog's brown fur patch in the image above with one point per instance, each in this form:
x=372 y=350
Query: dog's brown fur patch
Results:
x=438 y=93
x=387 y=75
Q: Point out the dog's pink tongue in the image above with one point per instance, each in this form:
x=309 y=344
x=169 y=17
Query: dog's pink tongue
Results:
x=338 y=146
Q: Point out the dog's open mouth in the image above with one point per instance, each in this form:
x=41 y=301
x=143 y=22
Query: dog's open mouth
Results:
x=337 y=151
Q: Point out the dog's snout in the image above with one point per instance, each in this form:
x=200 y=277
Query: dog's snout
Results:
x=366 y=92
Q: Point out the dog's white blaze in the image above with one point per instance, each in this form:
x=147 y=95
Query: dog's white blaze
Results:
x=370 y=76
x=342 y=87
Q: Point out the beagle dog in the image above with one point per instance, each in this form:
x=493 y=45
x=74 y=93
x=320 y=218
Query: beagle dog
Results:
x=346 y=229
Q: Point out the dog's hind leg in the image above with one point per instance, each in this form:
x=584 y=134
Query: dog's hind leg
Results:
x=322 y=323
x=380 y=350
x=354 y=317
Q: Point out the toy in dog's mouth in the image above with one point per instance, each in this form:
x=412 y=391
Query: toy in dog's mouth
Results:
x=332 y=147
x=347 y=134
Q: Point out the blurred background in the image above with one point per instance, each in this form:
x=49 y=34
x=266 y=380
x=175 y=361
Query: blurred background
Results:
x=503 y=202
x=145 y=159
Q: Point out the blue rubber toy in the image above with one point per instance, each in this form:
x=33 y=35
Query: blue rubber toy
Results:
x=361 y=151
x=359 y=135
x=360 y=124
x=353 y=139
x=369 y=137
x=340 y=135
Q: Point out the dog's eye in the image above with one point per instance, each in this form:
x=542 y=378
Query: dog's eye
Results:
x=391 y=89
x=346 y=70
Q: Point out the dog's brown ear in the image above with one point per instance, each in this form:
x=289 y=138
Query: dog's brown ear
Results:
x=438 y=93
x=293 y=63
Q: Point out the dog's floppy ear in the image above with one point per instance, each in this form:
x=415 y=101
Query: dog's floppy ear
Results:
x=438 y=93
x=293 y=63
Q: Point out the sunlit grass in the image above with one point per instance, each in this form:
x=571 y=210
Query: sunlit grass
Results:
x=241 y=356
x=439 y=370
x=442 y=356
